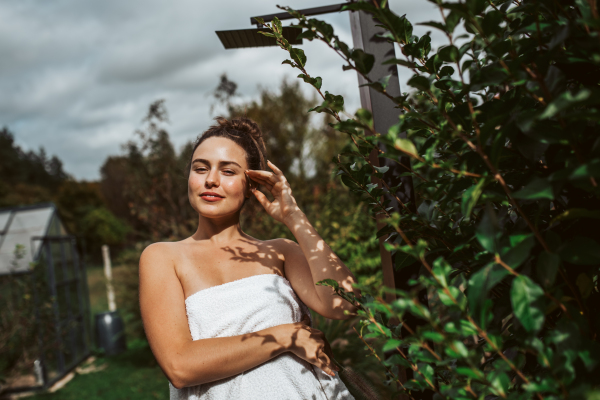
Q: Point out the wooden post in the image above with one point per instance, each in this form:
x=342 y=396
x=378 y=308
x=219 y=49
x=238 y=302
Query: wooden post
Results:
x=110 y=291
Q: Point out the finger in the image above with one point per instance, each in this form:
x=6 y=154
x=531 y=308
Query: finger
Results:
x=328 y=361
x=270 y=176
x=262 y=199
x=261 y=180
x=274 y=168
x=266 y=184
x=305 y=319
x=325 y=367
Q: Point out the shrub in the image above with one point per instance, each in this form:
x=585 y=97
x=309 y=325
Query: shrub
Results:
x=502 y=129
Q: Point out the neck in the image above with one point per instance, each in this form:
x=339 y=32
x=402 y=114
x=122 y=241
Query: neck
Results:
x=219 y=230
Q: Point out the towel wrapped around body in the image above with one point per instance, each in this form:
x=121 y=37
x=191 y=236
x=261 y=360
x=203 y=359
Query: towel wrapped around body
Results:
x=249 y=305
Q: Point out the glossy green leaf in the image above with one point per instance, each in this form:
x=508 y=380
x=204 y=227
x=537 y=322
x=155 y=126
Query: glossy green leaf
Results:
x=449 y=53
x=362 y=61
x=518 y=250
x=419 y=82
x=471 y=197
x=538 y=188
x=298 y=56
x=526 y=298
x=480 y=284
x=488 y=232
x=406 y=146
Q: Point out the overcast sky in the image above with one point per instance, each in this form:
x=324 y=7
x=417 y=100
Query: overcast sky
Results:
x=77 y=76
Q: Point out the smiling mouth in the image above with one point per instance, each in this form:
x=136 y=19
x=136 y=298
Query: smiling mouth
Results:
x=210 y=197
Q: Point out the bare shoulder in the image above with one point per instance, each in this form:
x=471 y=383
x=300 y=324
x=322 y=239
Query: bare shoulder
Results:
x=159 y=251
x=157 y=275
x=161 y=255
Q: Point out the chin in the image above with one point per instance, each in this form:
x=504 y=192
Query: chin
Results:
x=208 y=210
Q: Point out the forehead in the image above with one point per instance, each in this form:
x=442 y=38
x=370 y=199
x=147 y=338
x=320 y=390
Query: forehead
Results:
x=217 y=149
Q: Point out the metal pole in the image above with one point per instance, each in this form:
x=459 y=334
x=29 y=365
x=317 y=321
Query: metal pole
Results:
x=82 y=311
x=385 y=114
x=66 y=288
x=54 y=294
x=110 y=291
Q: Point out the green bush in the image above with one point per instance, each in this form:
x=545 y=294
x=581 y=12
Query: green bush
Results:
x=502 y=129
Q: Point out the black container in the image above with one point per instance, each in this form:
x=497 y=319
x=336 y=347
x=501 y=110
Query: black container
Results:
x=110 y=332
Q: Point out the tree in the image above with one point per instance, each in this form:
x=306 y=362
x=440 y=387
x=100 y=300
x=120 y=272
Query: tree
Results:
x=26 y=177
x=149 y=182
x=503 y=134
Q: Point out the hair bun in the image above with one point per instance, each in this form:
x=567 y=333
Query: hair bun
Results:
x=241 y=124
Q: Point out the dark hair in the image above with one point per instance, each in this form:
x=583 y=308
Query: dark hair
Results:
x=244 y=132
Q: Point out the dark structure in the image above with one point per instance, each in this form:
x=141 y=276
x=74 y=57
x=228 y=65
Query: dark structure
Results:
x=39 y=259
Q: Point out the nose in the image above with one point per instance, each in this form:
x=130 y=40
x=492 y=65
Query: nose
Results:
x=212 y=179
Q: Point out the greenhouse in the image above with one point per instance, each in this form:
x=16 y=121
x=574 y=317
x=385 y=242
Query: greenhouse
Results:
x=43 y=290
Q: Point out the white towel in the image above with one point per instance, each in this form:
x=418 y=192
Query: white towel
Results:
x=245 y=306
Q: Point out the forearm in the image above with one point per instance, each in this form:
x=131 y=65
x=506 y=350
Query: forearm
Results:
x=208 y=360
x=323 y=262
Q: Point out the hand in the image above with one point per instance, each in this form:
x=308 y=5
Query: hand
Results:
x=311 y=345
x=284 y=204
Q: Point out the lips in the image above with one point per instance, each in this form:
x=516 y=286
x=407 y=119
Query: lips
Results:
x=210 y=196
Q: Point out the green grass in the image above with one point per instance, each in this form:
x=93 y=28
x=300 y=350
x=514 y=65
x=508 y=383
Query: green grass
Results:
x=131 y=375
x=97 y=289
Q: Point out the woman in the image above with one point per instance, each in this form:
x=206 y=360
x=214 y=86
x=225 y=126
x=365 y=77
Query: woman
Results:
x=242 y=299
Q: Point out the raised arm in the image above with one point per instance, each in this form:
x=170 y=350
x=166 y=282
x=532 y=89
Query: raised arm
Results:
x=311 y=259
x=186 y=362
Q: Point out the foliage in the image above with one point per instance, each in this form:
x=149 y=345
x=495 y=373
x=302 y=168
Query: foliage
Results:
x=502 y=129
x=126 y=283
x=84 y=213
x=147 y=186
x=19 y=166
x=351 y=356
x=26 y=177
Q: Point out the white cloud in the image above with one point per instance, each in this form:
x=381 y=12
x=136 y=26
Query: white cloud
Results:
x=77 y=76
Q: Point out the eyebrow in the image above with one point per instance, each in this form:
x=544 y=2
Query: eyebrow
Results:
x=221 y=163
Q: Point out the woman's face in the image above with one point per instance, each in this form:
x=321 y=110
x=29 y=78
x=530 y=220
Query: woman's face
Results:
x=218 y=184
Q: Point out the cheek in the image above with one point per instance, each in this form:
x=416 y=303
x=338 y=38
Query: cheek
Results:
x=234 y=186
x=194 y=181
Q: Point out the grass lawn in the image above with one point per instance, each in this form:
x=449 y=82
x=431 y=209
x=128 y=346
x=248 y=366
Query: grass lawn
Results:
x=131 y=375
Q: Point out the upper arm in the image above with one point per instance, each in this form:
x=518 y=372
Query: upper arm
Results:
x=297 y=271
x=162 y=305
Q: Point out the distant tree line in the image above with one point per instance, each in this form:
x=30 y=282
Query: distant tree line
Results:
x=29 y=177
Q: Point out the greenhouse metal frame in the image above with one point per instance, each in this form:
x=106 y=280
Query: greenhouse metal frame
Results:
x=64 y=336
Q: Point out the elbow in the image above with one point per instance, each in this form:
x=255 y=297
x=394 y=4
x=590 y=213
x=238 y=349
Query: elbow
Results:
x=177 y=384
x=176 y=375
